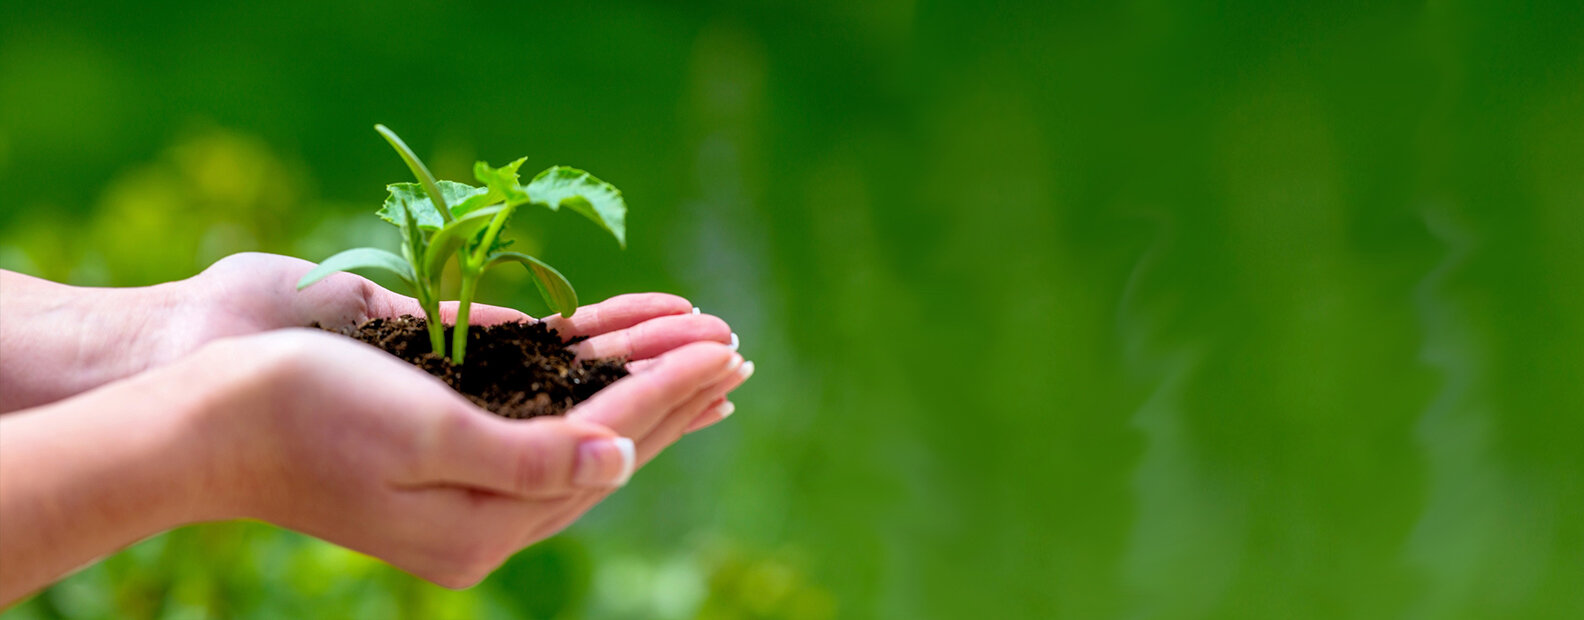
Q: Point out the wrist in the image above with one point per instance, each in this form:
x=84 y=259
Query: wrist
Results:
x=224 y=421
x=237 y=423
x=59 y=340
x=88 y=475
x=195 y=420
x=176 y=461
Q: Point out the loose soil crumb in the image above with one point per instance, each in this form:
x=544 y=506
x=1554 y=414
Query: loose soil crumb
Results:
x=514 y=370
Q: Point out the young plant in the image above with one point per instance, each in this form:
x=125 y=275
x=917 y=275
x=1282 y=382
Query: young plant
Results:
x=444 y=219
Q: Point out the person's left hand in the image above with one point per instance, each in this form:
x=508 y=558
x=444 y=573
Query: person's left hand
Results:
x=249 y=293
x=115 y=333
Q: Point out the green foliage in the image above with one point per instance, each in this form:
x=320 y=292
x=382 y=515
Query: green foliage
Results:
x=552 y=285
x=579 y=191
x=361 y=258
x=442 y=219
x=418 y=168
x=408 y=198
x=445 y=243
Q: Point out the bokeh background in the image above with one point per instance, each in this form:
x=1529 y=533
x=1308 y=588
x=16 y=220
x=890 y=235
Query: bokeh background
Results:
x=1143 y=309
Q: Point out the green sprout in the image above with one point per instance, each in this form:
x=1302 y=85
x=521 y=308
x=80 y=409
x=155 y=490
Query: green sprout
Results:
x=442 y=219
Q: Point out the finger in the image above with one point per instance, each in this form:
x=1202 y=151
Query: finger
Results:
x=538 y=459
x=638 y=366
x=383 y=303
x=698 y=407
x=619 y=312
x=718 y=410
x=482 y=314
x=634 y=405
x=653 y=337
x=647 y=450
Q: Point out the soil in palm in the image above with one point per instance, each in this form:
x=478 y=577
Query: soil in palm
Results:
x=514 y=370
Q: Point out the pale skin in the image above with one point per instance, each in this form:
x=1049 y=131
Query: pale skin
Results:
x=132 y=411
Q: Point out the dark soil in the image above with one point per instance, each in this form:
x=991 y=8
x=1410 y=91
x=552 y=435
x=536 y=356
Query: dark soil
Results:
x=515 y=370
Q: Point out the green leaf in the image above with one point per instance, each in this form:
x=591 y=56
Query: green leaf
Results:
x=575 y=189
x=419 y=170
x=475 y=202
x=552 y=285
x=456 y=234
x=410 y=198
x=503 y=181
x=359 y=258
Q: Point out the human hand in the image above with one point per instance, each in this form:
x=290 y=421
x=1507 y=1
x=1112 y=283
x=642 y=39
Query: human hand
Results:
x=253 y=292
x=60 y=340
x=336 y=440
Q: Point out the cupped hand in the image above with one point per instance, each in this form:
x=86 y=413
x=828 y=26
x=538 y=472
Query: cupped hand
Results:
x=208 y=407
x=252 y=292
x=338 y=440
x=76 y=339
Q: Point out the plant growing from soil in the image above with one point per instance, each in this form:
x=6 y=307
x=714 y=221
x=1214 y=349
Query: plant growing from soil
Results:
x=444 y=219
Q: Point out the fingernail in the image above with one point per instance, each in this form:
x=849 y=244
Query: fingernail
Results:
x=745 y=370
x=606 y=462
x=695 y=310
x=725 y=409
x=734 y=341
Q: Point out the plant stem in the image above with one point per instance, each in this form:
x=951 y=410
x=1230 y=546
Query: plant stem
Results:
x=472 y=268
x=481 y=251
x=431 y=310
x=470 y=278
x=436 y=330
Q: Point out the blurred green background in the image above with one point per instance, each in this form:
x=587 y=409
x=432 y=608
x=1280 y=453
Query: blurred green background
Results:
x=1062 y=310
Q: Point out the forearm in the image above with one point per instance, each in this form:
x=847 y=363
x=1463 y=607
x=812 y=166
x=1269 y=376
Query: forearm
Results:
x=57 y=340
x=86 y=476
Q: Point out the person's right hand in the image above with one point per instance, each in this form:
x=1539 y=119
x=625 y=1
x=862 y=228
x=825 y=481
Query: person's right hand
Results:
x=338 y=440
x=332 y=437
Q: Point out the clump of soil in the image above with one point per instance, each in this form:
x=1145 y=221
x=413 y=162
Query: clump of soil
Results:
x=514 y=370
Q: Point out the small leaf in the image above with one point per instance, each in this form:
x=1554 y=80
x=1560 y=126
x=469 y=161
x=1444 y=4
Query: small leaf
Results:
x=410 y=197
x=359 y=258
x=400 y=203
x=503 y=181
x=476 y=202
x=454 y=235
x=552 y=285
x=419 y=170
x=575 y=189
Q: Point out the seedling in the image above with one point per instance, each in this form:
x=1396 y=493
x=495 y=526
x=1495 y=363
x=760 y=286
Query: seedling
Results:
x=442 y=219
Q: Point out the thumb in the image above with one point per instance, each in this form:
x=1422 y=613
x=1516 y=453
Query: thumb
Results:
x=535 y=459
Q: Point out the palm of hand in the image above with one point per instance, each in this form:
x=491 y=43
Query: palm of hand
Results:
x=456 y=492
